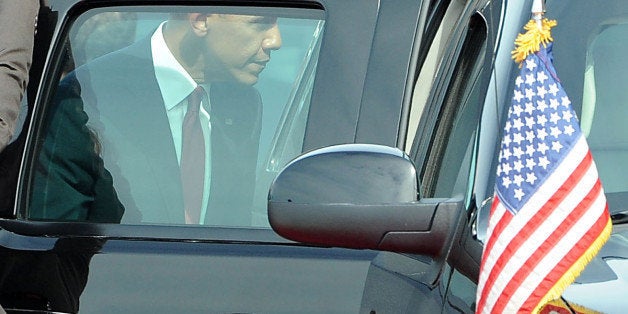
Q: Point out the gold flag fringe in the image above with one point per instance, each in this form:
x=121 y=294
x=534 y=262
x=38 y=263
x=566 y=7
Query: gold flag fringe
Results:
x=530 y=41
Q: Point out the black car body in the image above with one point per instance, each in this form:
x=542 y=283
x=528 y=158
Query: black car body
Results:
x=397 y=106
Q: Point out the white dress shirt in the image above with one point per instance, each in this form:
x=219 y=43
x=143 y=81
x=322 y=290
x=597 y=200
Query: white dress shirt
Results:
x=176 y=85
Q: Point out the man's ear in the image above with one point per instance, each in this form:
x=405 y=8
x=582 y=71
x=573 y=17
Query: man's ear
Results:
x=198 y=22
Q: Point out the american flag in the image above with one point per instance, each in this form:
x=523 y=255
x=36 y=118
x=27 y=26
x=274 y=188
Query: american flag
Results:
x=549 y=215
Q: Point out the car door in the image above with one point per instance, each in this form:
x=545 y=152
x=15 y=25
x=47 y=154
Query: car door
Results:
x=76 y=260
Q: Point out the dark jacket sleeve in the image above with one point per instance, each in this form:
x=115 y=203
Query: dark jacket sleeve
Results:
x=70 y=182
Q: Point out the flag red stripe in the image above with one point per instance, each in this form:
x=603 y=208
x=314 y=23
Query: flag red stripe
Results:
x=545 y=248
x=530 y=226
x=488 y=247
x=491 y=241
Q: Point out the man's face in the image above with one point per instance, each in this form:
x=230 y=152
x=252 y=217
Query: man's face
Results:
x=239 y=46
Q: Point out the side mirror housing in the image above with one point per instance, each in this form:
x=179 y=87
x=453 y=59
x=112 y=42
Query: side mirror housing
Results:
x=359 y=196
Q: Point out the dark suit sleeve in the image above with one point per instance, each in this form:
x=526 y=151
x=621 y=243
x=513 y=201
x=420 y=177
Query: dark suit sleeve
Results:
x=17 y=33
x=71 y=183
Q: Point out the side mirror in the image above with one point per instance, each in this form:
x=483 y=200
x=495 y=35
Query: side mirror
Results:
x=360 y=196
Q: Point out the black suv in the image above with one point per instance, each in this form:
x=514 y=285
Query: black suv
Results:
x=374 y=153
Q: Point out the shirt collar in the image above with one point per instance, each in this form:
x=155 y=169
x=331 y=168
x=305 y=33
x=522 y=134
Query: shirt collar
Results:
x=174 y=81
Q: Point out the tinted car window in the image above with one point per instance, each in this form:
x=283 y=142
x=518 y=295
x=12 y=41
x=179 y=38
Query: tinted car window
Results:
x=450 y=169
x=603 y=112
x=113 y=136
x=446 y=164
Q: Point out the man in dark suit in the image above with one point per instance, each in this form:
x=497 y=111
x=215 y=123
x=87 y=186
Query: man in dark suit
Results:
x=116 y=131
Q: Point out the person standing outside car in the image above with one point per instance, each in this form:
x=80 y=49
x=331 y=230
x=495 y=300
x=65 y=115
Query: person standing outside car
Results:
x=137 y=102
x=18 y=21
x=227 y=51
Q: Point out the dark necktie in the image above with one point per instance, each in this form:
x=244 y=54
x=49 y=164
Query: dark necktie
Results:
x=193 y=158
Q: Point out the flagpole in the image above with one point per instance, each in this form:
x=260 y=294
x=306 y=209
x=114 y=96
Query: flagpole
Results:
x=538 y=9
x=537 y=33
